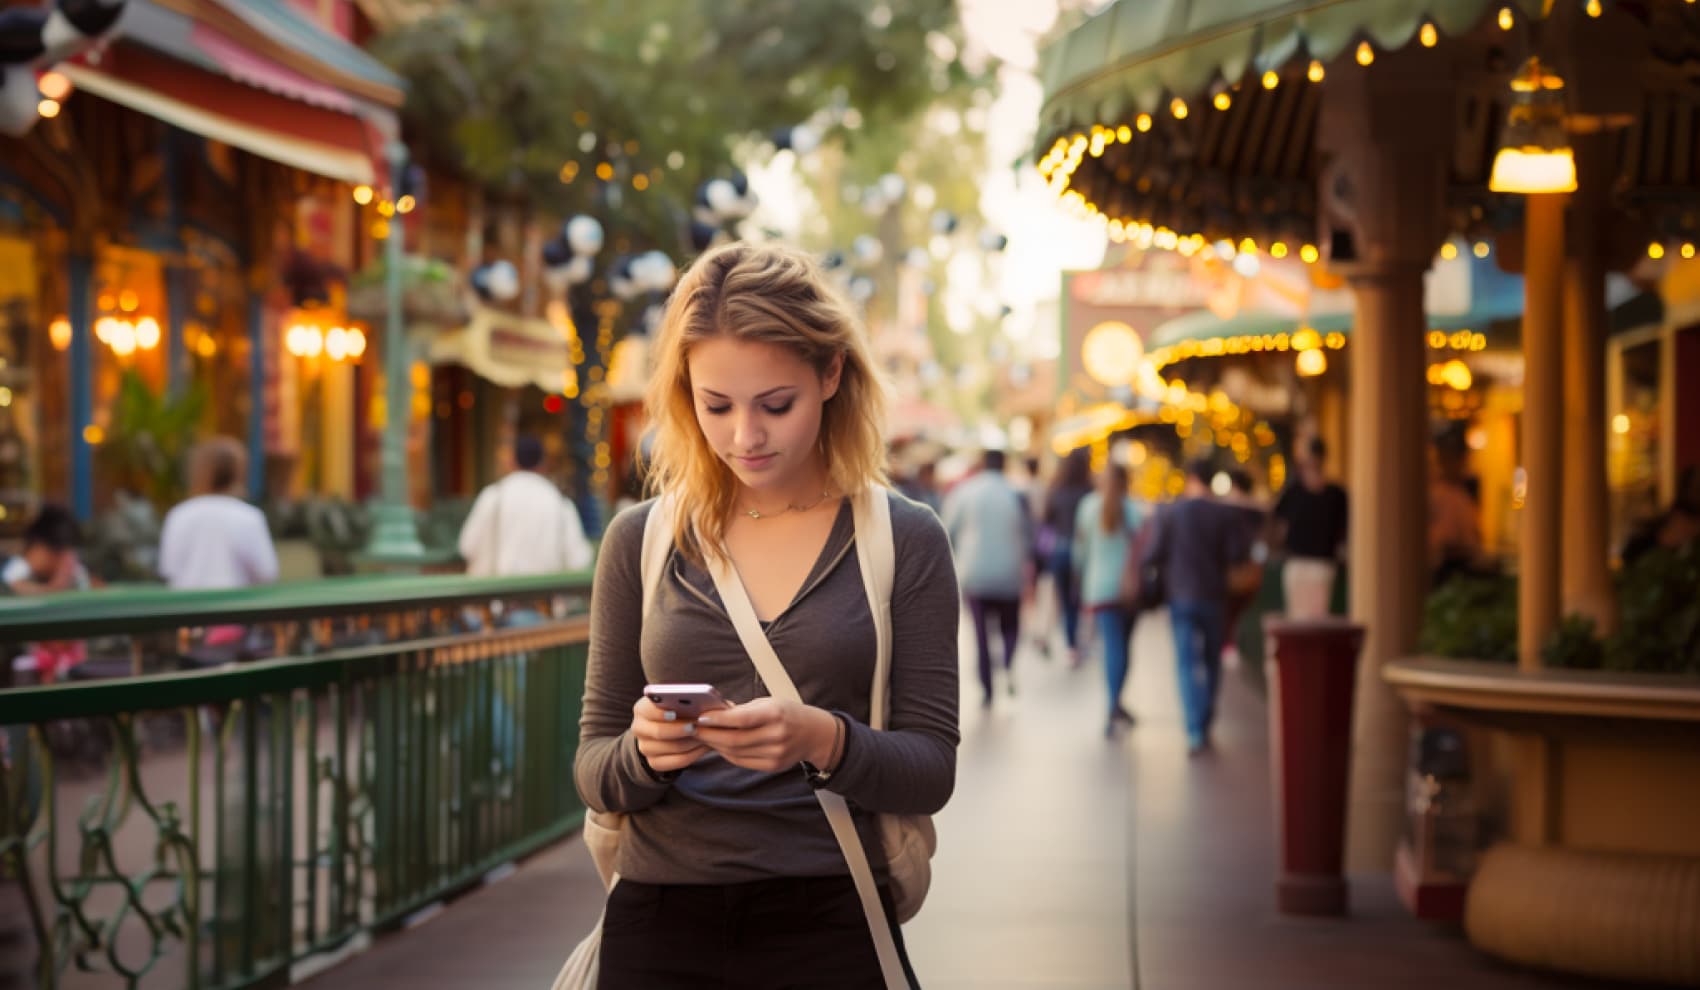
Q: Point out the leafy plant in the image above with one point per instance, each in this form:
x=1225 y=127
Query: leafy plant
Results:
x=150 y=435
x=1472 y=617
x=1659 y=613
x=1574 y=645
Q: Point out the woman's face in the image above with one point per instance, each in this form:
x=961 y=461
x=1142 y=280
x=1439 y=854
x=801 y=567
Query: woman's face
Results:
x=759 y=407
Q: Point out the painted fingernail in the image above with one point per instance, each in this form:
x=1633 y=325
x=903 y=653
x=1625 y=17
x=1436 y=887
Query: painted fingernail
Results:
x=669 y=716
x=690 y=728
x=704 y=720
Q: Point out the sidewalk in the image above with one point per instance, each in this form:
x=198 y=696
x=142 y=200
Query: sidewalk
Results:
x=1205 y=869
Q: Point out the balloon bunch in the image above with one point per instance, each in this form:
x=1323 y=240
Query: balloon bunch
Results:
x=33 y=38
x=570 y=257
x=719 y=204
x=635 y=274
x=800 y=139
x=498 y=281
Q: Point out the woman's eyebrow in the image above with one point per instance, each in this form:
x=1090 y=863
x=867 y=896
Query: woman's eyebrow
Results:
x=771 y=391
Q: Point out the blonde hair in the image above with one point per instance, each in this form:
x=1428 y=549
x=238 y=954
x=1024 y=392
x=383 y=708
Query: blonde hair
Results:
x=767 y=294
x=216 y=465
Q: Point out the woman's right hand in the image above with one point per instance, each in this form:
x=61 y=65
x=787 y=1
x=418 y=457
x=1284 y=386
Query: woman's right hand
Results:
x=667 y=744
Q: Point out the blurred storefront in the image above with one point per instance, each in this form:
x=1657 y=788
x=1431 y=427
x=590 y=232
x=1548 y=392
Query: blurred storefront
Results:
x=181 y=206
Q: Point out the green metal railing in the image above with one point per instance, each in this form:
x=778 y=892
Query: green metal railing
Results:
x=213 y=828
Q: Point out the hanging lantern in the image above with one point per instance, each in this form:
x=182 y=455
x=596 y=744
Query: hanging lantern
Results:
x=1535 y=154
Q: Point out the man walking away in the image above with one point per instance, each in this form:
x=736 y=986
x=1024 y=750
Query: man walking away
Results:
x=990 y=531
x=522 y=524
x=1310 y=521
x=1196 y=542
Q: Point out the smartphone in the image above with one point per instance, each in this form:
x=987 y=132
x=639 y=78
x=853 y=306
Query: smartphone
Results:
x=685 y=700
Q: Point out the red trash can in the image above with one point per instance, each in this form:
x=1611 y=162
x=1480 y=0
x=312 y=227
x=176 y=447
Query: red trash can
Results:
x=1313 y=673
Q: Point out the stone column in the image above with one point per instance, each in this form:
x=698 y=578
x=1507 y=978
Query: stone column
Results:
x=1542 y=426
x=1585 y=578
x=1387 y=137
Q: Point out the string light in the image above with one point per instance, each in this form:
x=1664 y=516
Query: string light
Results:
x=1316 y=72
x=1142 y=122
x=1278 y=249
x=1449 y=250
x=48 y=109
x=1178 y=107
x=1124 y=134
x=1271 y=79
x=1429 y=36
x=1655 y=250
x=1594 y=9
x=1366 y=54
x=1507 y=20
x=1481 y=249
x=1688 y=250
x=1222 y=100
x=362 y=195
x=1309 y=255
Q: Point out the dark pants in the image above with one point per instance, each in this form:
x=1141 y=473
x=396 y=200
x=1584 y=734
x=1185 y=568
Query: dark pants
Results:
x=1068 y=593
x=803 y=932
x=1007 y=612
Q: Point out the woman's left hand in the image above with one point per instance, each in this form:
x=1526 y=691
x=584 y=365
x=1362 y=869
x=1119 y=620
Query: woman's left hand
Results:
x=770 y=735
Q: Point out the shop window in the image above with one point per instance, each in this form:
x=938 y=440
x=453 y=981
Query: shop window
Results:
x=34 y=338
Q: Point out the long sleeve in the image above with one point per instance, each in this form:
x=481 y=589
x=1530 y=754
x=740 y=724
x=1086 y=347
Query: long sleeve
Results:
x=608 y=770
x=576 y=554
x=910 y=768
x=259 y=556
x=474 y=541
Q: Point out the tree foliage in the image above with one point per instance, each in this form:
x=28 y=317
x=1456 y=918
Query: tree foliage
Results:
x=530 y=97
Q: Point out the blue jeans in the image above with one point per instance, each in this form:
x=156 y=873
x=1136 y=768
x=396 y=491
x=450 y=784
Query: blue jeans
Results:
x=1198 y=629
x=1113 y=629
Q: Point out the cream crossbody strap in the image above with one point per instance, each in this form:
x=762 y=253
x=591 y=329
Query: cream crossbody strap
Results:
x=657 y=544
x=743 y=615
x=877 y=555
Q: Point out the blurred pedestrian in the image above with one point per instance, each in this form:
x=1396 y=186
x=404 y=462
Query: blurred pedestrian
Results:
x=522 y=524
x=1310 y=524
x=1197 y=542
x=1068 y=489
x=1454 y=515
x=1103 y=536
x=990 y=530
x=766 y=402
x=215 y=539
x=1677 y=526
x=49 y=564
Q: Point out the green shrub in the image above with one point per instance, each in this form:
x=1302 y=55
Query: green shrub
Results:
x=1472 y=617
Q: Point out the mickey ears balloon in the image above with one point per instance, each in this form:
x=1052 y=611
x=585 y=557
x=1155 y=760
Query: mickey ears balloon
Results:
x=991 y=241
x=499 y=281
x=944 y=222
x=584 y=235
x=801 y=139
x=622 y=281
x=19 y=99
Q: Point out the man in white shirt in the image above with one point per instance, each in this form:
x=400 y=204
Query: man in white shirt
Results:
x=522 y=524
x=215 y=539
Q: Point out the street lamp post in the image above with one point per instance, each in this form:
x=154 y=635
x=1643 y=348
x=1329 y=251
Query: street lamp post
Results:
x=395 y=535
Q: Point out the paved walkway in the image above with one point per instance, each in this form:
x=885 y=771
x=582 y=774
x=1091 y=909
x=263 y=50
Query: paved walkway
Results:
x=1033 y=882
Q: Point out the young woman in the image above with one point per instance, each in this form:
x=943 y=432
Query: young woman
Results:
x=1103 y=537
x=768 y=417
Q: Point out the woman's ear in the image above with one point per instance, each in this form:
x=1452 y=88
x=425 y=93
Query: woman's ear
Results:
x=830 y=378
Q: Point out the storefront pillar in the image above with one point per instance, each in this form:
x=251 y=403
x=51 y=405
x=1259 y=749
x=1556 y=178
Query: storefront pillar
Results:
x=1387 y=138
x=80 y=312
x=257 y=394
x=1586 y=578
x=1540 y=540
x=177 y=371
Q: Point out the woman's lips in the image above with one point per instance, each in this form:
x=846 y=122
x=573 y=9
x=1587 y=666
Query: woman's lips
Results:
x=754 y=463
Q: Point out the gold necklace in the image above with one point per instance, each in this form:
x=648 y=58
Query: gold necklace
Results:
x=792 y=507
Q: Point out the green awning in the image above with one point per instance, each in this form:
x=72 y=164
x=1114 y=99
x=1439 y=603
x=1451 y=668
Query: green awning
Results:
x=1135 y=54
